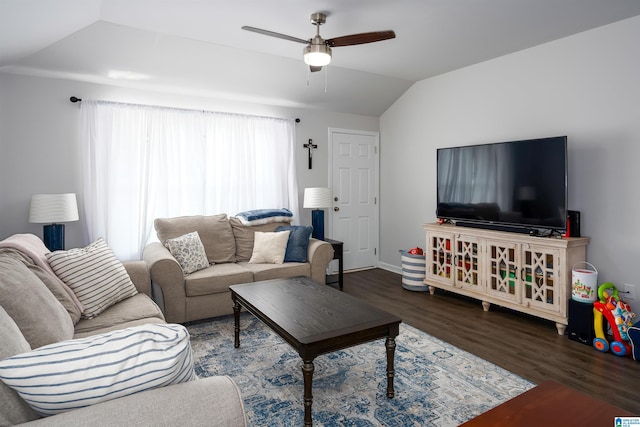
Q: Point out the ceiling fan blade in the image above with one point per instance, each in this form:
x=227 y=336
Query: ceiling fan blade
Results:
x=274 y=34
x=314 y=68
x=362 y=38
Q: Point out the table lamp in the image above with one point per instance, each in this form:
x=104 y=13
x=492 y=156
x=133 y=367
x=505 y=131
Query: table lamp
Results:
x=53 y=209
x=317 y=198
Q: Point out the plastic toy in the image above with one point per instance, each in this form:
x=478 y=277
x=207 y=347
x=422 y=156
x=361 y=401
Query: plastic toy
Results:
x=416 y=251
x=618 y=314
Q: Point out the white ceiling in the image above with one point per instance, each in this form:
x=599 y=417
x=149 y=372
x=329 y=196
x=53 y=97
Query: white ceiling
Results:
x=197 y=46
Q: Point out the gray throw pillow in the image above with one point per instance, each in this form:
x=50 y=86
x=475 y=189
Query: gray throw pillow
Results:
x=189 y=252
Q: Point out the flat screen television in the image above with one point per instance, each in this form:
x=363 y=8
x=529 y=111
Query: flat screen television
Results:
x=516 y=186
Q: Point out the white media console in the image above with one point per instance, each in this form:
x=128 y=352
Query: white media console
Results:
x=521 y=272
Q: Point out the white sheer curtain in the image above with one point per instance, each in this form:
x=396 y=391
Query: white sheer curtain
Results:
x=145 y=162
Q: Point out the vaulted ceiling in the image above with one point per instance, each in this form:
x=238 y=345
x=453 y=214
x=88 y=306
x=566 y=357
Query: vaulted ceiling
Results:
x=198 y=47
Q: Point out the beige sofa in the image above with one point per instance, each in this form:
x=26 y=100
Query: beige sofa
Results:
x=34 y=312
x=228 y=244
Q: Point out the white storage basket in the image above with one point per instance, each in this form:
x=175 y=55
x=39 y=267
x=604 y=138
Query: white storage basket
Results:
x=413 y=272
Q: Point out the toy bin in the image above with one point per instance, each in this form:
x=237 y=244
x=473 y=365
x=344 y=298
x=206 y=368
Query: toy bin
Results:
x=584 y=282
x=413 y=272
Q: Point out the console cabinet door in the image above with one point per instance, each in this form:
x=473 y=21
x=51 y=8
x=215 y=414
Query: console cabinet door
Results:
x=439 y=258
x=502 y=265
x=468 y=261
x=540 y=275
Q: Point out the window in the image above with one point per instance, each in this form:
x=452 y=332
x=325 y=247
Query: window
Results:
x=145 y=162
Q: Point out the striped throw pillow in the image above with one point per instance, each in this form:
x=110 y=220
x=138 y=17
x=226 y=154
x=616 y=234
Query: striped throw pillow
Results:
x=81 y=372
x=95 y=275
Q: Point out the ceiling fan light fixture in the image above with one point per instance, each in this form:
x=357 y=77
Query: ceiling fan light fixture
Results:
x=317 y=55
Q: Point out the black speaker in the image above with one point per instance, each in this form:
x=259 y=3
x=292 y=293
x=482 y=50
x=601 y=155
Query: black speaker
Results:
x=573 y=223
x=580 y=327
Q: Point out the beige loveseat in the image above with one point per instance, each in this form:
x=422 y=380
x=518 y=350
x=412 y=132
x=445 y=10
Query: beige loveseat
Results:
x=36 y=310
x=228 y=244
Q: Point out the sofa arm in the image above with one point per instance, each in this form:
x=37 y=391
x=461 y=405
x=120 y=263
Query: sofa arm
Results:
x=166 y=274
x=206 y=401
x=139 y=274
x=320 y=253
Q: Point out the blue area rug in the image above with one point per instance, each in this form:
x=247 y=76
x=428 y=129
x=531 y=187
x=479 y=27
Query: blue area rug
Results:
x=436 y=384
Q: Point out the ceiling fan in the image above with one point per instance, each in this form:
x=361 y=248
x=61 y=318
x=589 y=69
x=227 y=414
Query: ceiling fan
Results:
x=317 y=52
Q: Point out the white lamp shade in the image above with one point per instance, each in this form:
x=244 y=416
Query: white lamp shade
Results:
x=317 y=197
x=53 y=208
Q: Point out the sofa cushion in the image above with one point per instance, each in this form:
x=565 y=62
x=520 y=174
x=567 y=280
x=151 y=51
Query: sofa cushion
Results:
x=189 y=252
x=139 y=307
x=38 y=314
x=298 y=244
x=13 y=410
x=57 y=287
x=33 y=247
x=97 y=277
x=278 y=271
x=216 y=279
x=214 y=231
x=77 y=373
x=269 y=247
x=244 y=236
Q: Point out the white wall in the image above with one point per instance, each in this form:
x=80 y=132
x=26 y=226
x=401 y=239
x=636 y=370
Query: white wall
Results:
x=586 y=87
x=40 y=144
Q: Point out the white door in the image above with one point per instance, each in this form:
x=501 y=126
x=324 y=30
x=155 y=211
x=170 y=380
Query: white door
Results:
x=354 y=182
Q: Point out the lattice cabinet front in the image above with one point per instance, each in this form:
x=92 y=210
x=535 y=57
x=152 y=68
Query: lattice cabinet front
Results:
x=439 y=257
x=467 y=262
x=540 y=276
x=502 y=262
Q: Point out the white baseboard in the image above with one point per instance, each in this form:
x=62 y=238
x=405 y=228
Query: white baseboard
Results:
x=390 y=267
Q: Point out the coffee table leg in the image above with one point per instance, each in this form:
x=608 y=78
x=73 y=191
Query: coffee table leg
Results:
x=236 y=326
x=307 y=373
x=390 y=344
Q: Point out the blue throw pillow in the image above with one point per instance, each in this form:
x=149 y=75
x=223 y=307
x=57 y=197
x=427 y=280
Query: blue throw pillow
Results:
x=298 y=242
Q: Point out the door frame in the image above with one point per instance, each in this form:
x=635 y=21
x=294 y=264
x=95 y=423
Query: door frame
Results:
x=375 y=234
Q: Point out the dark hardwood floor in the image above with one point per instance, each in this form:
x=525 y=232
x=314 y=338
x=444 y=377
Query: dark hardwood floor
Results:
x=522 y=344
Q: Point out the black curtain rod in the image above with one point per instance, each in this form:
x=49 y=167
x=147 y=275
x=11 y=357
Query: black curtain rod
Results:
x=76 y=99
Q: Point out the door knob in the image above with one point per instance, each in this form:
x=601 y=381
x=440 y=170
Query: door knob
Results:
x=335 y=199
x=336 y=209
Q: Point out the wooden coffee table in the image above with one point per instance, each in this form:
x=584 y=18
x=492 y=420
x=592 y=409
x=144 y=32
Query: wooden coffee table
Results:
x=315 y=319
x=550 y=404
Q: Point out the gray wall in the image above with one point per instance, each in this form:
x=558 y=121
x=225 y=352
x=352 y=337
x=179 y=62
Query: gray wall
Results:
x=40 y=144
x=585 y=86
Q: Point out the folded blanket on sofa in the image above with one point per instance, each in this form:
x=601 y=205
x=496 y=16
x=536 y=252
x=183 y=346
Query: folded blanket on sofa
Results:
x=264 y=216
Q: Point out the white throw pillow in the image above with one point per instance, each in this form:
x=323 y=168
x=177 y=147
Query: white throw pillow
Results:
x=82 y=372
x=269 y=247
x=189 y=251
x=95 y=275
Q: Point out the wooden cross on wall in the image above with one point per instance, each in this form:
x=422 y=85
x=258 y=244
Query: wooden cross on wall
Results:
x=310 y=146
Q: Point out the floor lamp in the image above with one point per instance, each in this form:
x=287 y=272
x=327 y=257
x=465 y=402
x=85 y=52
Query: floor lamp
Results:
x=52 y=209
x=317 y=198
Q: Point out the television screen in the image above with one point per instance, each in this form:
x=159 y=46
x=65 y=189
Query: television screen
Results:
x=517 y=183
